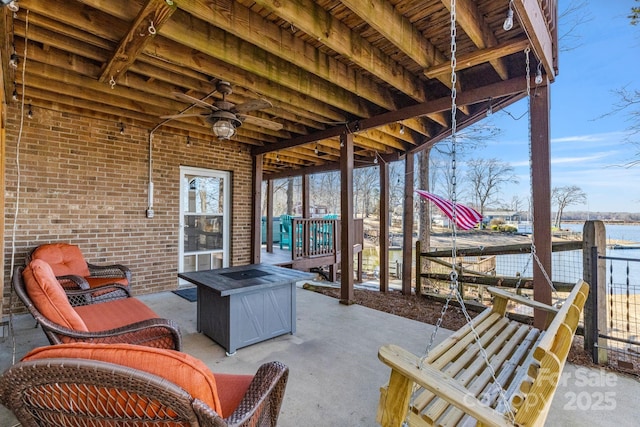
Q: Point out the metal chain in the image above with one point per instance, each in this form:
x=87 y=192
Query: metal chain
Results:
x=454 y=108
x=453 y=286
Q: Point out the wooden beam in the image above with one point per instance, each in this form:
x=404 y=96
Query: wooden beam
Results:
x=483 y=93
x=311 y=18
x=475 y=26
x=479 y=57
x=541 y=186
x=385 y=19
x=248 y=25
x=347 y=295
x=6 y=20
x=197 y=35
x=143 y=29
x=383 y=232
x=535 y=24
x=407 y=223
x=256 y=227
x=166 y=54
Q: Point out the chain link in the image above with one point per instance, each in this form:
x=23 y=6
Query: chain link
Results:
x=453 y=286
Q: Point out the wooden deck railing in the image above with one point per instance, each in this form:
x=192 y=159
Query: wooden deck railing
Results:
x=319 y=237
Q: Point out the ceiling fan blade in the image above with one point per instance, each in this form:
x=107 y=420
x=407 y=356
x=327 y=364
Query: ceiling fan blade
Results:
x=256 y=104
x=257 y=121
x=184 y=97
x=178 y=116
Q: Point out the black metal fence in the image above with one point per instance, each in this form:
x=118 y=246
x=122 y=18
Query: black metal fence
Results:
x=621 y=337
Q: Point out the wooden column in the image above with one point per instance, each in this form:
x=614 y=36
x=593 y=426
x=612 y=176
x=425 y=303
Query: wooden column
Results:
x=346 y=223
x=306 y=193
x=269 y=219
x=541 y=184
x=256 y=228
x=594 y=237
x=383 y=233
x=407 y=224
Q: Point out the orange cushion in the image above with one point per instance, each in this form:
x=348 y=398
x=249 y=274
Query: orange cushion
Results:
x=114 y=314
x=100 y=281
x=184 y=370
x=63 y=258
x=48 y=296
x=231 y=390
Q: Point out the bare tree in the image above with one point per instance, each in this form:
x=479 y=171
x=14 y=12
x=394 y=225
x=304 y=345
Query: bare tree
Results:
x=566 y=196
x=365 y=181
x=635 y=14
x=486 y=177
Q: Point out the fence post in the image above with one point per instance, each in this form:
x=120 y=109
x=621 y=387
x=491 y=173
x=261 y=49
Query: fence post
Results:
x=594 y=240
x=418 y=272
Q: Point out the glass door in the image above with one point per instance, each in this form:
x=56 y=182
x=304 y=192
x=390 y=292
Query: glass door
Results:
x=204 y=220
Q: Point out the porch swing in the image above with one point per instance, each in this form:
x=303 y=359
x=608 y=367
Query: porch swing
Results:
x=493 y=371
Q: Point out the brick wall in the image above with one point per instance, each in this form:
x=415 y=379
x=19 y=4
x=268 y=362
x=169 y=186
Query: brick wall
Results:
x=84 y=183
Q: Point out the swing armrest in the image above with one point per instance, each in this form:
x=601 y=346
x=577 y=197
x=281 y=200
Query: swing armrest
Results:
x=442 y=385
x=499 y=293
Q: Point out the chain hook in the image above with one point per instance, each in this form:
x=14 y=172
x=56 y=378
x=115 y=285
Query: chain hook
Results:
x=152 y=29
x=112 y=82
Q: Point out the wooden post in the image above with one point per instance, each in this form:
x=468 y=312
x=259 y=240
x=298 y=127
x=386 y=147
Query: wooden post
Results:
x=407 y=226
x=383 y=233
x=269 y=219
x=306 y=207
x=256 y=244
x=541 y=185
x=594 y=238
x=418 y=268
x=346 y=223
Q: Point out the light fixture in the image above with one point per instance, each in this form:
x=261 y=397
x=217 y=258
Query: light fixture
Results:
x=315 y=150
x=188 y=141
x=30 y=113
x=401 y=129
x=224 y=124
x=490 y=109
x=11 y=4
x=121 y=128
x=14 y=60
x=538 y=78
x=15 y=92
x=508 y=22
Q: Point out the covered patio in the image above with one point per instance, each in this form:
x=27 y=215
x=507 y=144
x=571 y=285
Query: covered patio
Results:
x=114 y=113
x=335 y=375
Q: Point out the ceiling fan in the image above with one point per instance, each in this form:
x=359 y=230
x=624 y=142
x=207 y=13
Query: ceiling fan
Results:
x=226 y=116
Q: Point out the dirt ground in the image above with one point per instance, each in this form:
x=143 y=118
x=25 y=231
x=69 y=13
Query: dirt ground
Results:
x=428 y=311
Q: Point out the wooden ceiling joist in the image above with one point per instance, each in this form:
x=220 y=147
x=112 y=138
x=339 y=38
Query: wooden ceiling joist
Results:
x=146 y=25
x=370 y=68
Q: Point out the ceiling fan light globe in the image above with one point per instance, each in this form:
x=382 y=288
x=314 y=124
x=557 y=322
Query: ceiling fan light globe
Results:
x=224 y=129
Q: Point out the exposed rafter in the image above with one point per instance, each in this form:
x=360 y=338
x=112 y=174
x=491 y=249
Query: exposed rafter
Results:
x=145 y=26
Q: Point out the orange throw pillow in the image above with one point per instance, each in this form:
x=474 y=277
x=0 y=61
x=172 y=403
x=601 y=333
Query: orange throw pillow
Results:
x=49 y=297
x=183 y=370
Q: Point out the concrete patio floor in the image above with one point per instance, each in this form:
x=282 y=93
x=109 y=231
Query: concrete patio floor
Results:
x=335 y=374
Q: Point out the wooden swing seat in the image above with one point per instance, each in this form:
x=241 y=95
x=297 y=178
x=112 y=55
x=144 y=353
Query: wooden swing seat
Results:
x=455 y=387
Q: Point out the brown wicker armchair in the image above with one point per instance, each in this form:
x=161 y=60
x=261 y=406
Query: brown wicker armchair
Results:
x=71 y=391
x=119 y=320
x=74 y=272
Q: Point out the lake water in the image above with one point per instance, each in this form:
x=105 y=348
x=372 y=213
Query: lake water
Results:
x=568 y=266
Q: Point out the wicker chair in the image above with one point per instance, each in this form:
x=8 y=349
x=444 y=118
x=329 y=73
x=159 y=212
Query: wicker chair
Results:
x=75 y=391
x=74 y=272
x=119 y=320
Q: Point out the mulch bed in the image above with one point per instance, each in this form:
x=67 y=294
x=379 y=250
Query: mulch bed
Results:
x=428 y=311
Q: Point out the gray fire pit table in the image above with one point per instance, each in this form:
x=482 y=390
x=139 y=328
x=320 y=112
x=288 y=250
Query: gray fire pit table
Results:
x=240 y=306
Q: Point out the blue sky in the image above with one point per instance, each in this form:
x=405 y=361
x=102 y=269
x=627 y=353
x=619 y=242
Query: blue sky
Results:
x=587 y=150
